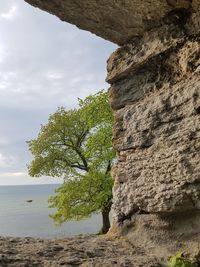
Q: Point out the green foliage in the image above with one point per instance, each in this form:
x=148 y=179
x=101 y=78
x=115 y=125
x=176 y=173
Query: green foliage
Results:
x=180 y=261
x=79 y=198
x=96 y=109
x=76 y=145
x=58 y=145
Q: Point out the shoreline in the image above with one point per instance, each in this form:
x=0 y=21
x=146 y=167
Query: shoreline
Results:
x=85 y=251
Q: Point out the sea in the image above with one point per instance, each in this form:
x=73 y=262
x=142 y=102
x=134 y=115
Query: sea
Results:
x=19 y=218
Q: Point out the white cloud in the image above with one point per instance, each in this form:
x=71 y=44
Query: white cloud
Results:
x=5 y=160
x=22 y=178
x=2 y=160
x=44 y=63
x=4 y=141
x=6 y=80
x=10 y=14
x=15 y=174
x=2 y=53
x=54 y=75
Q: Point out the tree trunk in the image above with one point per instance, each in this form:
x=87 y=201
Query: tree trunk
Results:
x=105 y=220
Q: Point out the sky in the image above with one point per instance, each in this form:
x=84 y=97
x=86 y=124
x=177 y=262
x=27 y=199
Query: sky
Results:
x=44 y=64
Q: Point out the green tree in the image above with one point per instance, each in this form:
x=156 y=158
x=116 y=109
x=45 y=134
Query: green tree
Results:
x=76 y=145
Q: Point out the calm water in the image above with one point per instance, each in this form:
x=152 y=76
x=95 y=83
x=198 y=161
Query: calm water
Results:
x=19 y=218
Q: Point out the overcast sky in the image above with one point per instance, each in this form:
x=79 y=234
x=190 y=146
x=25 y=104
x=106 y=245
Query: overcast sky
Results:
x=44 y=63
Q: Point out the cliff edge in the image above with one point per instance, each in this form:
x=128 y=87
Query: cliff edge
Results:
x=117 y=21
x=155 y=95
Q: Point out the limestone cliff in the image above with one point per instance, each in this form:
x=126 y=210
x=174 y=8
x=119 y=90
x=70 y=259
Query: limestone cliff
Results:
x=118 y=21
x=155 y=95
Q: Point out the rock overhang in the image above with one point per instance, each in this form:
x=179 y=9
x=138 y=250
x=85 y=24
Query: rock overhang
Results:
x=117 y=21
x=155 y=95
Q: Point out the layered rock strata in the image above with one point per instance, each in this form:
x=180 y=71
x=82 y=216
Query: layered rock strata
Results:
x=117 y=21
x=155 y=95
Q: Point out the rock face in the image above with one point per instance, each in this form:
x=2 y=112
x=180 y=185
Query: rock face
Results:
x=155 y=95
x=117 y=21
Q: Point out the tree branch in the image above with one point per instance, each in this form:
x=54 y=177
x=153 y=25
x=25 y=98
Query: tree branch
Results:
x=83 y=159
x=108 y=169
x=80 y=167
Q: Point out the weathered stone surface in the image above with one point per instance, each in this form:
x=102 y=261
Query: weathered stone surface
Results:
x=157 y=131
x=86 y=251
x=159 y=144
x=132 y=56
x=117 y=21
x=165 y=234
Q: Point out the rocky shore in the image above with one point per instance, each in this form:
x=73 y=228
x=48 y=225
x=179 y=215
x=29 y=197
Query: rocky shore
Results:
x=85 y=251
